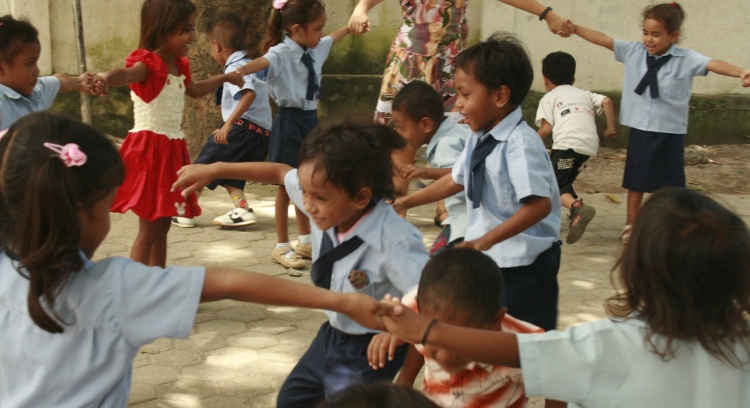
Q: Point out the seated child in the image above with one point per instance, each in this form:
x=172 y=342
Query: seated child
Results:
x=344 y=183
x=419 y=118
x=70 y=327
x=568 y=113
x=677 y=333
x=460 y=287
x=243 y=137
x=512 y=195
x=22 y=91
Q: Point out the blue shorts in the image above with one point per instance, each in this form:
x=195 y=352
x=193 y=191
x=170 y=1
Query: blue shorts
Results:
x=290 y=127
x=246 y=142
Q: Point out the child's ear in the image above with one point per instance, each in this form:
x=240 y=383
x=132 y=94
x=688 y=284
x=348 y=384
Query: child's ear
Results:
x=363 y=197
x=427 y=125
x=497 y=321
x=502 y=96
x=674 y=35
x=296 y=29
x=573 y=81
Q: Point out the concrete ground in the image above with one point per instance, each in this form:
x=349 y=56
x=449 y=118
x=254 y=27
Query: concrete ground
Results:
x=239 y=354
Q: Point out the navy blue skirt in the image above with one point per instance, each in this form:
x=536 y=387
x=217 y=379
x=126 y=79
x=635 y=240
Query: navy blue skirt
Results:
x=654 y=160
x=290 y=127
x=246 y=142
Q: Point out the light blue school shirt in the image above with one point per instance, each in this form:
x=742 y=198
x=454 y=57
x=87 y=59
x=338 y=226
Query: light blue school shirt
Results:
x=260 y=111
x=114 y=307
x=287 y=75
x=392 y=254
x=608 y=363
x=517 y=168
x=14 y=106
x=442 y=152
x=669 y=112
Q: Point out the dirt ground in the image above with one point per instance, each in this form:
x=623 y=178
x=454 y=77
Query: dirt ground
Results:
x=726 y=172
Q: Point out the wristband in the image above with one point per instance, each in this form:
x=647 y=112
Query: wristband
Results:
x=544 y=13
x=426 y=331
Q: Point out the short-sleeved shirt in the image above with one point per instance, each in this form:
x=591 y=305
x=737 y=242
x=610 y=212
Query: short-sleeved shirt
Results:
x=516 y=169
x=571 y=111
x=14 y=106
x=112 y=307
x=608 y=363
x=392 y=255
x=477 y=384
x=260 y=110
x=442 y=152
x=287 y=75
x=669 y=112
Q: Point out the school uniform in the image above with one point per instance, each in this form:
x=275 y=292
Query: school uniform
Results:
x=288 y=85
x=109 y=309
x=658 y=124
x=442 y=152
x=388 y=261
x=516 y=168
x=247 y=141
x=14 y=106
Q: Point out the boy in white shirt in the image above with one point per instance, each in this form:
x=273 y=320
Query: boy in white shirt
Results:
x=569 y=112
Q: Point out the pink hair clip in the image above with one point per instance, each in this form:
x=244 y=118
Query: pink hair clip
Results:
x=279 y=4
x=3 y=132
x=70 y=154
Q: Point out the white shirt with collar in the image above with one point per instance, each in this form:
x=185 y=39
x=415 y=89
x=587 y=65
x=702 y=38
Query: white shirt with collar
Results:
x=517 y=168
x=260 y=111
x=14 y=106
x=392 y=255
x=287 y=75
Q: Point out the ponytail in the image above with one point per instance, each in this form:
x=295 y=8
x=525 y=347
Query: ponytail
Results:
x=275 y=31
x=290 y=13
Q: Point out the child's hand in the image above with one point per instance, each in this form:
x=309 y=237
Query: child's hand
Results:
x=398 y=206
x=235 y=78
x=745 y=77
x=87 y=81
x=192 y=178
x=220 y=135
x=558 y=25
x=382 y=346
x=476 y=244
x=359 y=23
x=410 y=171
x=610 y=133
x=99 y=85
x=367 y=311
x=407 y=324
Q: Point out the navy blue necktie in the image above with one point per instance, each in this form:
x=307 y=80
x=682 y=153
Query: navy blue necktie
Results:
x=478 y=156
x=217 y=94
x=312 y=79
x=322 y=268
x=649 y=78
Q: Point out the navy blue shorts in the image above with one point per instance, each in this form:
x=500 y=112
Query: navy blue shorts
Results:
x=654 y=160
x=246 y=142
x=290 y=127
x=530 y=292
x=334 y=362
x=567 y=164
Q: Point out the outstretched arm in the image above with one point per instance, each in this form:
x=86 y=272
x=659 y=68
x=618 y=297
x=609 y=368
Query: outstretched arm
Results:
x=236 y=284
x=339 y=34
x=119 y=77
x=75 y=83
x=484 y=346
x=442 y=188
x=727 y=69
x=194 y=177
x=595 y=37
x=256 y=65
x=196 y=89
x=359 y=23
x=556 y=23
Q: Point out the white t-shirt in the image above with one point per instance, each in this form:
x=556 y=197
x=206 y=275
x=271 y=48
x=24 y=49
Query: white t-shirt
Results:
x=571 y=112
x=607 y=363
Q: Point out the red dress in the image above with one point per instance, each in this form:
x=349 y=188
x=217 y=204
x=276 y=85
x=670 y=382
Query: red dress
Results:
x=155 y=148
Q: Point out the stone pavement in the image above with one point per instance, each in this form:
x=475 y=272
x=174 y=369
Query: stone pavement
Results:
x=239 y=354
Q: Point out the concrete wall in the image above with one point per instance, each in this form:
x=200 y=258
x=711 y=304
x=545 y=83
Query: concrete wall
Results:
x=714 y=27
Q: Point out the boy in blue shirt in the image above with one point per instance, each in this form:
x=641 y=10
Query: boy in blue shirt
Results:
x=243 y=137
x=512 y=196
x=419 y=116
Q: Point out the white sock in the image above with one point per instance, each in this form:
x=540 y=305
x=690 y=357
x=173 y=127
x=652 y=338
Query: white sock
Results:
x=283 y=245
x=305 y=239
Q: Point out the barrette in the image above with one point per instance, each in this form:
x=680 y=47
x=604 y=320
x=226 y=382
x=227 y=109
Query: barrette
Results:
x=3 y=132
x=279 y=4
x=70 y=154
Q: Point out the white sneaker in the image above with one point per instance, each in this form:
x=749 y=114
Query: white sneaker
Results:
x=238 y=217
x=183 y=222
